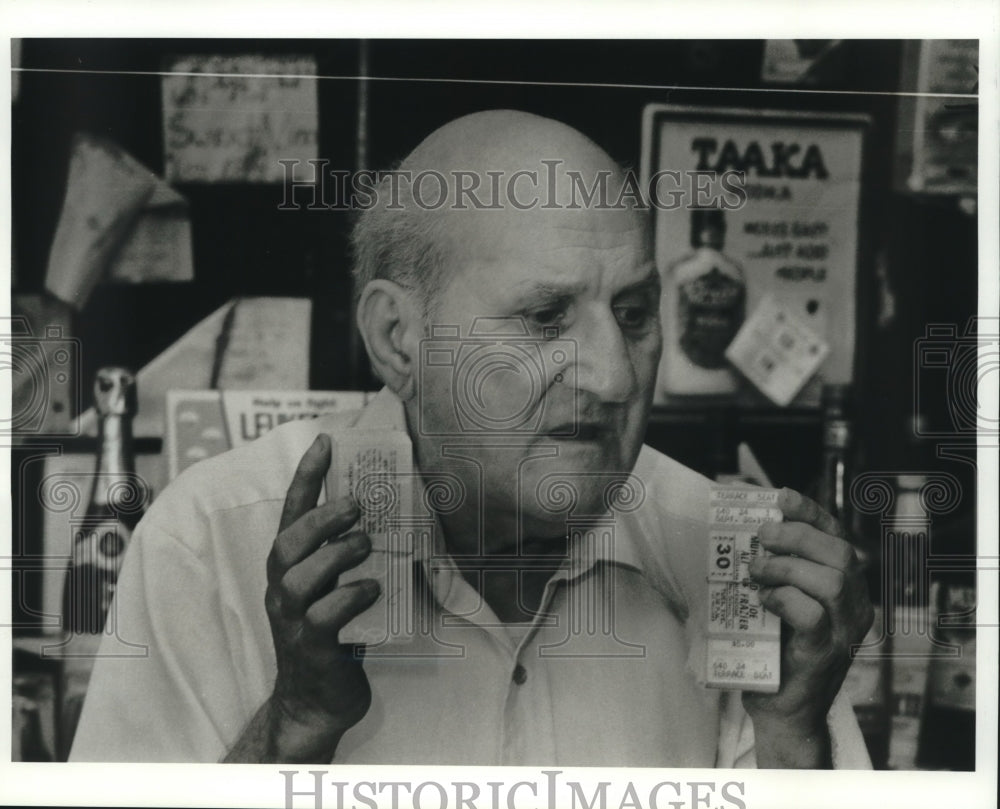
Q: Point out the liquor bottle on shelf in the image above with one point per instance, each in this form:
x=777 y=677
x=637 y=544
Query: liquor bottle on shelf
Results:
x=837 y=448
x=704 y=303
x=904 y=564
x=839 y=465
x=28 y=742
x=117 y=500
x=948 y=734
x=867 y=679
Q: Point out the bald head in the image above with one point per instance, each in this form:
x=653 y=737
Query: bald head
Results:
x=504 y=140
x=470 y=182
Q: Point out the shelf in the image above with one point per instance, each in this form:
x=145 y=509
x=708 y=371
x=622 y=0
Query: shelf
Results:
x=708 y=413
x=81 y=443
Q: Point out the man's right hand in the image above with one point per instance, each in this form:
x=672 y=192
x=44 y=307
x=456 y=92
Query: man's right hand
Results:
x=321 y=689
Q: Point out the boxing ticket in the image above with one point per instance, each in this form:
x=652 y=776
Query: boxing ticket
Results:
x=743 y=648
x=376 y=468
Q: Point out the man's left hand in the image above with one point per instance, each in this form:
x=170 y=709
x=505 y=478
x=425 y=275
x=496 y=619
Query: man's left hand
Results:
x=812 y=579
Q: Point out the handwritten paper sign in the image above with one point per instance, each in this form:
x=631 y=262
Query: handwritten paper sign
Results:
x=232 y=118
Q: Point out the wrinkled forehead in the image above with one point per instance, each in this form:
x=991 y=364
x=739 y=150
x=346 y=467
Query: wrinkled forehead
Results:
x=547 y=231
x=589 y=200
x=492 y=235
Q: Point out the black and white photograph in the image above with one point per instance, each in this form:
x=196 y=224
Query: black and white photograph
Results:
x=482 y=421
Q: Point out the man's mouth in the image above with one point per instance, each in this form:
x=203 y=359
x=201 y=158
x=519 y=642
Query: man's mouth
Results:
x=580 y=431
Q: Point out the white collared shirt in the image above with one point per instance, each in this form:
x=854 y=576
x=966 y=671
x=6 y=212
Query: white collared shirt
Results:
x=605 y=675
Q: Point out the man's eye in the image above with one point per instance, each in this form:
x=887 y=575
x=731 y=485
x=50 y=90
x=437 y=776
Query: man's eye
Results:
x=634 y=317
x=550 y=316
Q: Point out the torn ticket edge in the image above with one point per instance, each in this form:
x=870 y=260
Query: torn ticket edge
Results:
x=742 y=647
x=376 y=468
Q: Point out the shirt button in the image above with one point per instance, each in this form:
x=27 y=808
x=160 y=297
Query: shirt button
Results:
x=520 y=674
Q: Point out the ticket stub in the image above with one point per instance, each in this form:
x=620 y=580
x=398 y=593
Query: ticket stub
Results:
x=376 y=467
x=743 y=650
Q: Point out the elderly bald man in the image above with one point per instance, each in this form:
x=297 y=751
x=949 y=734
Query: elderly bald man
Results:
x=541 y=648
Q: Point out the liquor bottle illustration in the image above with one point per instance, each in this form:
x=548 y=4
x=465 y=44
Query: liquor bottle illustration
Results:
x=703 y=307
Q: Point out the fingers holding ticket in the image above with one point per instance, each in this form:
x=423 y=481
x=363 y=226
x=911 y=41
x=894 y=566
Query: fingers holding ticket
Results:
x=812 y=579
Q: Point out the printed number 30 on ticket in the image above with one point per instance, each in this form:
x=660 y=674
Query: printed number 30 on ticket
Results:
x=744 y=640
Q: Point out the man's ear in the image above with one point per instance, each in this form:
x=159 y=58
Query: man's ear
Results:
x=390 y=324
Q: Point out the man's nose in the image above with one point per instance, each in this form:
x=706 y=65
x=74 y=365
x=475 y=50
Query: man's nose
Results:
x=603 y=364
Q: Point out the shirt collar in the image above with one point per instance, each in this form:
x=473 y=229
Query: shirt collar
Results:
x=384 y=411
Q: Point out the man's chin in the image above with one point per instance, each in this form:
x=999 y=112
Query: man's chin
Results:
x=580 y=460
x=565 y=494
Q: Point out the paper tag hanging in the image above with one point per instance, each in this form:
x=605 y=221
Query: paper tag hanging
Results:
x=777 y=351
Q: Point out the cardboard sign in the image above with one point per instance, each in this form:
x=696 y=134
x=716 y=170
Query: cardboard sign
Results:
x=203 y=423
x=938 y=144
x=793 y=229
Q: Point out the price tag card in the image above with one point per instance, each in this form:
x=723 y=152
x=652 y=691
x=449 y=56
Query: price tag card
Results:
x=777 y=351
x=743 y=651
